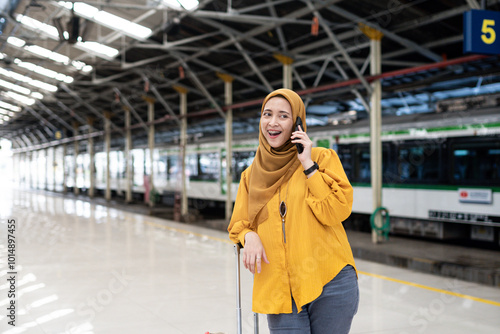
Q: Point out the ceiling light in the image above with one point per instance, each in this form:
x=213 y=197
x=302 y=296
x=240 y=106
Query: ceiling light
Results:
x=28 y=80
x=128 y=27
x=9 y=106
x=20 y=98
x=37 y=25
x=95 y=47
x=172 y=3
x=14 y=87
x=187 y=4
x=108 y=20
x=37 y=95
x=52 y=32
x=81 y=66
x=43 y=71
x=16 y=41
x=57 y=57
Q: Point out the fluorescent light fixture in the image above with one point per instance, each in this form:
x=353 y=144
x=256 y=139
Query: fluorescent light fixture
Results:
x=43 y=71
x=16 y=41
x=108 y=20
x=95 y=47
x=81 y=66
x=37 y=95
x=172 y=3
x=14 y=87
x=43 y=85
x=28 y=80
x=6 y=118
x=20 y=98
x=37 y=25
x=118 y=23
x=9 y=106
x=57 y=57
x=6 y=112
x=187 y=4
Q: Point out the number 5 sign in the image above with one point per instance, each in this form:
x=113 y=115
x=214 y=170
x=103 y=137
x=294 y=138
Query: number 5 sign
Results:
x=482 y=32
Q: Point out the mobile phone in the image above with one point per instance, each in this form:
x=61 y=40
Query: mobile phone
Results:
x=300 y=147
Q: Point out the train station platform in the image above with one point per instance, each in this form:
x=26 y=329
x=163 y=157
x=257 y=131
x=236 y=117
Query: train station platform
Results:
x=83 y=267
x=427 y=256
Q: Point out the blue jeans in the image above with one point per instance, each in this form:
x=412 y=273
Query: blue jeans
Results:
x=331 y=313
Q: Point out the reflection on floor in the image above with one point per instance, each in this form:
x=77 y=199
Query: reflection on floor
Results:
x=85 y=268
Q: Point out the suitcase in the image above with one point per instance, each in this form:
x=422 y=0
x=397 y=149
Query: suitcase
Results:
x=239 y=328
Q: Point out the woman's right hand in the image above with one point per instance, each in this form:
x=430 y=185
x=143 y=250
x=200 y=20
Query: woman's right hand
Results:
x=253 y=252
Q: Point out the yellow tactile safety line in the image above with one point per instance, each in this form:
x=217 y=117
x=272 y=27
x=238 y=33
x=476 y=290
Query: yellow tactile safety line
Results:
x=451 y=293
x=421 y=286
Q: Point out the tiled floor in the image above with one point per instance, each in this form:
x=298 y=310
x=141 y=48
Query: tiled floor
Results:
x=86 y=268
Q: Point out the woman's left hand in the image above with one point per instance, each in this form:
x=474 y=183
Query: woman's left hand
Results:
x=300 y=137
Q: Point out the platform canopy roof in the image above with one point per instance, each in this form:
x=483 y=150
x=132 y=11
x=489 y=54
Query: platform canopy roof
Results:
x=67 y=64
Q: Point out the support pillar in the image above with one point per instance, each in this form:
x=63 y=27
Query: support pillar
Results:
x=107 y=145
x=65 y=178
x=183 y=141
x=47 y=165
x=128 y=157
x=54 y=168
x=76 y=190
x=287 y=70
x=375 y=125
x=151 y=143
x=228 y=93
x=31 y=171
x=91 y=150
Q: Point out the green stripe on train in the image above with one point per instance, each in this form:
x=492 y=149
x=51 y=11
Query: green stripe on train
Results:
x=437 y=129
x=425 y=186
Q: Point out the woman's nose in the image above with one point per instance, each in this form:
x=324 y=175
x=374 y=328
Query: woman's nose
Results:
x=273 y=120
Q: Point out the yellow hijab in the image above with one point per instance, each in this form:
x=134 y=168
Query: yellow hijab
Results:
x=273 y=167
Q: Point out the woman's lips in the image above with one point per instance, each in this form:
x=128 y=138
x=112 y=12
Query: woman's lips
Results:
x=273 y=134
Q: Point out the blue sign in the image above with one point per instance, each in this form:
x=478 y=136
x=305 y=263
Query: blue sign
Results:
x=482 y=32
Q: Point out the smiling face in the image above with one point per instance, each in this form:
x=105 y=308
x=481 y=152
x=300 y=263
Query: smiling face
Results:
x=276 y=122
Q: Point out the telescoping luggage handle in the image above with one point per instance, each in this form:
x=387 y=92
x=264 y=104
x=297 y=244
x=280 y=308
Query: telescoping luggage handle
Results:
x=237 y=248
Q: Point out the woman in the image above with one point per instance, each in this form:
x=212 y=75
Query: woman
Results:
x=288 y=216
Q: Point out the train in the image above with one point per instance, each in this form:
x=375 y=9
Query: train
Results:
x=441 y=171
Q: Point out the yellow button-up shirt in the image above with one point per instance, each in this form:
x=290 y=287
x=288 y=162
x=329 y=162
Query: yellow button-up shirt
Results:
x=315 y=246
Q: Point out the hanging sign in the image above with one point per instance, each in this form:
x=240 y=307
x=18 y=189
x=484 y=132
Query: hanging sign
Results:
x=481 y=32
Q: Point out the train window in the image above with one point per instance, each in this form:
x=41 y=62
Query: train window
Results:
x=138 y=167
x=241 y=161
x=209 y=166
x=361 y=170
x=203 y=166
x=356 y=162
x=173 y=166
x=345 y=156
x=161 y=166
x=419 y=163
x=477 y=163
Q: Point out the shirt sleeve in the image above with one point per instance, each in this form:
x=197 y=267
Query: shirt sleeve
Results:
x=239 y=224
x=329 y=194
